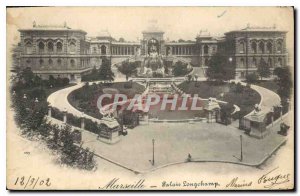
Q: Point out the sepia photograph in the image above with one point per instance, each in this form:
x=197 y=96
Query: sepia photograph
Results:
x=150 y=98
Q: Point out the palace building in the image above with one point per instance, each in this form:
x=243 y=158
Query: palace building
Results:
x=65 y=52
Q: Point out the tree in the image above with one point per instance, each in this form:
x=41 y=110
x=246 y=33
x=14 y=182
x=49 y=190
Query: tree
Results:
x=180 y=69
x=105 y=72
x=219 y=68
x=284 y=81
x=251 y=78
x=128 y=68
x=263 y=70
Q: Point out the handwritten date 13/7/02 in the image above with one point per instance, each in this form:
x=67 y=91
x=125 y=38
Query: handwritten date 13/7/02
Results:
x=32 y=182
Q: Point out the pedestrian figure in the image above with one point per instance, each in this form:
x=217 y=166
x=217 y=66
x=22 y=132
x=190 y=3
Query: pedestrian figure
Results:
x=189 y=159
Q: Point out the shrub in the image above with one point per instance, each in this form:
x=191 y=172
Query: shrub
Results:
x=251 y=78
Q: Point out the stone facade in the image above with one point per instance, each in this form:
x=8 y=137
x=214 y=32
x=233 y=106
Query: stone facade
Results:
x=64 y=52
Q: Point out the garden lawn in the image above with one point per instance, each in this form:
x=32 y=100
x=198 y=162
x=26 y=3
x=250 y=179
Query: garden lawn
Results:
x=245 y=99
x=268 y=84
x=85 y=98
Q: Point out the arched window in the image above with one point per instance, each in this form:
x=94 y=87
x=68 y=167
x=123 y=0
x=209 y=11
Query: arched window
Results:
x=41 y=47
x=262 y=61
x=103 y=50
x=72 y=62
x=254 y=62
x=28 y=47
x=279 y=47
x=254 y=47
x=205 y=49
x=95 y=50
x=270 y=64
x=242 y=62
x=279 y=62
x=241 y=47
x=50 y=47
x=58 y=61
x=59 y=47
x=50 y=62
x=72 y=47
x=261 y=47
x=269 y=48
x=28 y=61
x=41 y=62
x=206 y=62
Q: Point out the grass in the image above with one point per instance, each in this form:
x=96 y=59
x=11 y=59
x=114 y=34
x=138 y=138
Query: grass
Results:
x=246 y=99
x=268 y=84
x=85 y=99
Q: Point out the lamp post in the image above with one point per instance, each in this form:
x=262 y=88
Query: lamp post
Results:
x=272 y=113
x=280 y=106
x=241 y=146
x=230 y=61
x=153 y=151
x=289 y=103
x=241 y=139
x=152 y=161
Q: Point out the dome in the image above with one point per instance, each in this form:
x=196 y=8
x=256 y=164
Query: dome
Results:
x=104 y=33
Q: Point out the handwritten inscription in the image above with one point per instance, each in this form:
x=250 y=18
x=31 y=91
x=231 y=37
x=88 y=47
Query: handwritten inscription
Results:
x=237 y=183
x=115 y=184
x=271 y=179
x=32 y=182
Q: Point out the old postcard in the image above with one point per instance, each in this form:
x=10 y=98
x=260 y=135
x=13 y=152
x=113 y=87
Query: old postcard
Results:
x=150 y=98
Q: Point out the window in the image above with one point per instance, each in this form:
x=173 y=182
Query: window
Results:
x=242 y=62
x=59 y=47
x=279 y=62
x=242 y=74
x=205 y=49
x=261 y=47
x=269 y=47
x=270 y=64
x=72 y=47
x=279 y=47
x=206 y=62
x=28 y=47
x=241 y=47
x=58 y=61
x=94 y=50
x=41 y=62
x=28 y=61
x=72 y=62
x=254 y=47
x=41 y=47
x=254 y=62
x=103 y=50
x=50 y=62
x=50 y=47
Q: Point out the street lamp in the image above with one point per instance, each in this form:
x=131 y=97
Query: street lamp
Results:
x=272 y=113
x=288 y=102
x=241 y=146
x=280 y=106
x=152 y=161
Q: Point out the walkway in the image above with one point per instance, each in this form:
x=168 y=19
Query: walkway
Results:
x=268 y=97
